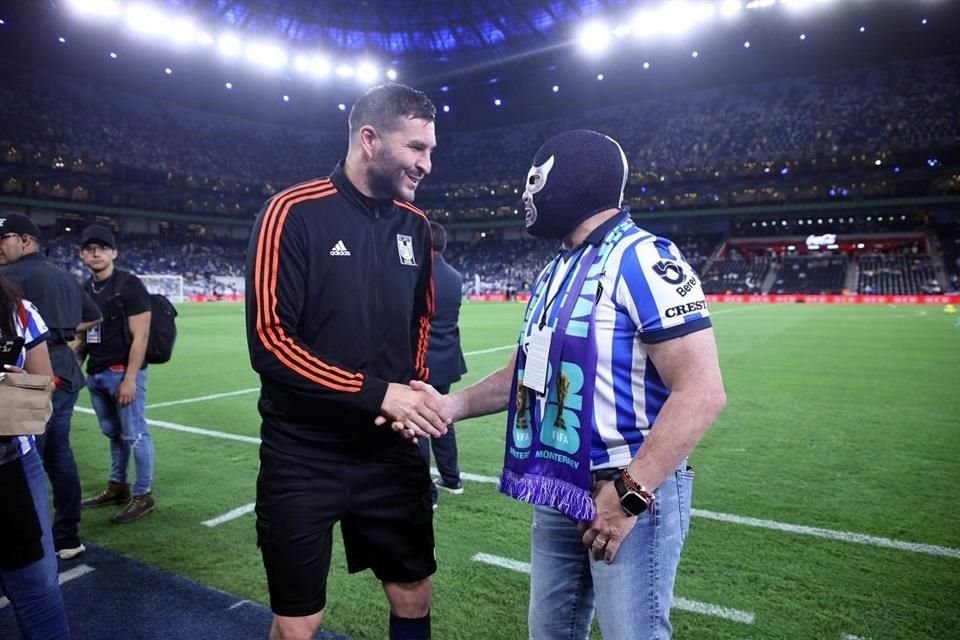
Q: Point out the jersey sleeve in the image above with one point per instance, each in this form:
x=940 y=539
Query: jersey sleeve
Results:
x=660 y=292
x=31 y=325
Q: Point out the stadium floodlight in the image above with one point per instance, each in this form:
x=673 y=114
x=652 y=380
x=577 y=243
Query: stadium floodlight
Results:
x=391 y=74
x=730 y=8
x=345 y=71
x=646 y=65
x=760 y=4
x=168 y=71
x=677 y=18
x=320 y=66
x=229 y=85
x=266 y=55
x=556 y=88
x=645 y=23
x=204 y=38
x=594 y=37
x=497 y=102
x=113 y=55
x=183 y=31
x=599 y=76
x=229 y=45
x=147 y=20
x=286 y=98
x=96 y=8
x=342 y=107
x=446 y=108
x=367 y=73
x=62 y=40
x=301 y=63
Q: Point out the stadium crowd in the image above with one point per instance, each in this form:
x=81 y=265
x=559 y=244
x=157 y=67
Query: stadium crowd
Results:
x=835 y=136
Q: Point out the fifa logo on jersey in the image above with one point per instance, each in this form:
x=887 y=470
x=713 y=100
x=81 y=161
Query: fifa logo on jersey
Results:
x=405 y=248
x=671 y=272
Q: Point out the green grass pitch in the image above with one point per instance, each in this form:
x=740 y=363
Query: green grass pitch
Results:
x=842 y=418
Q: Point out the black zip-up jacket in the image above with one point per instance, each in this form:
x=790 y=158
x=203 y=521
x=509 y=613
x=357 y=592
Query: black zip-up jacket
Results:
x=339 y=301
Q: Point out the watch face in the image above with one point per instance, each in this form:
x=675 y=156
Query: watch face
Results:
x=632 y=503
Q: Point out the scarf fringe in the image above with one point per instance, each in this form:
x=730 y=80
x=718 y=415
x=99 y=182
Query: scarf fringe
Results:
x=563 y=496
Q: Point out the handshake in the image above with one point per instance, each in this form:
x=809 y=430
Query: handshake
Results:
x=416 y=411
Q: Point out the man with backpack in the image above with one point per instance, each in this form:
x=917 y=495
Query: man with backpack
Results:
x=116 y=351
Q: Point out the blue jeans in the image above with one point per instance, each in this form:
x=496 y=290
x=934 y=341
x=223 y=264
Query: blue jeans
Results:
x=632 y=595
x=126 y=427
x=54 y=448
x=33 y=590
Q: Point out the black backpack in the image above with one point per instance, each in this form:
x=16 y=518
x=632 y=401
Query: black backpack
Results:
x=163 y=327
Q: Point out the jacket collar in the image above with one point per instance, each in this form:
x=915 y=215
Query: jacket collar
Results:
x=367 y=205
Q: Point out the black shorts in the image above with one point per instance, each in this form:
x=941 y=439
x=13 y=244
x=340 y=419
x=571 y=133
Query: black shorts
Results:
x=385 y=516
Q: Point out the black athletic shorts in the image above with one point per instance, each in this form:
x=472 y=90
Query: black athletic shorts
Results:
x=385 y=516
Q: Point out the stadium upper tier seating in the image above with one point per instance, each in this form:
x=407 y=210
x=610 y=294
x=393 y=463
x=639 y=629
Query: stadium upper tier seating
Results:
x=793 y=140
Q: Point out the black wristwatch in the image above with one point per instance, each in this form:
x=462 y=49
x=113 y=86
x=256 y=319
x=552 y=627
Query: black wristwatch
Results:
x=634 y=499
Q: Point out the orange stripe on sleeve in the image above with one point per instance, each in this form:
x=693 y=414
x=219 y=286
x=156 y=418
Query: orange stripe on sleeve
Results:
x=269 y=328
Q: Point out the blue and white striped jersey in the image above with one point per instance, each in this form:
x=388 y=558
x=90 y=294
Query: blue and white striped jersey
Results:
x=31 y=327
x=648 y=294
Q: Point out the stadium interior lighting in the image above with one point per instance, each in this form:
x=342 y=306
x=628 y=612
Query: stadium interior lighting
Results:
x=96 y=8
x=113 y=55
x=266 y=55
x=62 y=40
x=146 y=20
x=320 y=66
x=599 y=76
x=594 y=37
x=677 y=18
x=183 y=31
x=803 y=36
x=645 y=23
x=730 y=8
x=391 y=74
x=168 y=71
x=863 y=29
x=342 y=107
x=301 y=63
x=646 y=65
x=345 y=71
x=760 y=4
x=746 y=45
x=229 y=85
x=497 y=102
x=695 y=54
x=204 y=38
x=446 y=108
x=286 y=98
x=556 y=88
x=229 y=45
x=367 y=73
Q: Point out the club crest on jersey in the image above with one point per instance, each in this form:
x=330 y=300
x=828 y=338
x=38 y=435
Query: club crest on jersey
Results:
x=405 y=248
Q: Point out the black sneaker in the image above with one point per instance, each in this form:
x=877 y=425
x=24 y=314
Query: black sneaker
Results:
x=138 y=507
x=456 y=488
x=69 y=548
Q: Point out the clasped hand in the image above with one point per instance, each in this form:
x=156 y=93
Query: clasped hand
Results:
x=415 y=411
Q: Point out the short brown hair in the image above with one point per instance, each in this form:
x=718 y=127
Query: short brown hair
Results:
x=381 y=106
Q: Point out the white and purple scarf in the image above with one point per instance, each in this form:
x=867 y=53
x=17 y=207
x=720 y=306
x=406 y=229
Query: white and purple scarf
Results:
x=547 y=458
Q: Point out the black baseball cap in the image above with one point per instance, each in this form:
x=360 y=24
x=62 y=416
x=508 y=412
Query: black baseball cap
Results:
x=19 y=224
x=99 y=234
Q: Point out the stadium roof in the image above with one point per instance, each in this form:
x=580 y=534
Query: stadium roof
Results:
x=486 y=63
x=398 y=27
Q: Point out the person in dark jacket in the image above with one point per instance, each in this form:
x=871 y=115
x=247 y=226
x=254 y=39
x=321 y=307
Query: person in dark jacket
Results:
x=445 y=360
x=67 y=310
x=339 y=302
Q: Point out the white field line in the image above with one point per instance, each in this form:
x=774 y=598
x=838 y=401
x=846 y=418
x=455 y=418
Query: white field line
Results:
x=230 y=515
x=242 y=392
x=203 y=398
x=683 y=604
x=830 y=534
x=66 y=576
x=172 y=426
